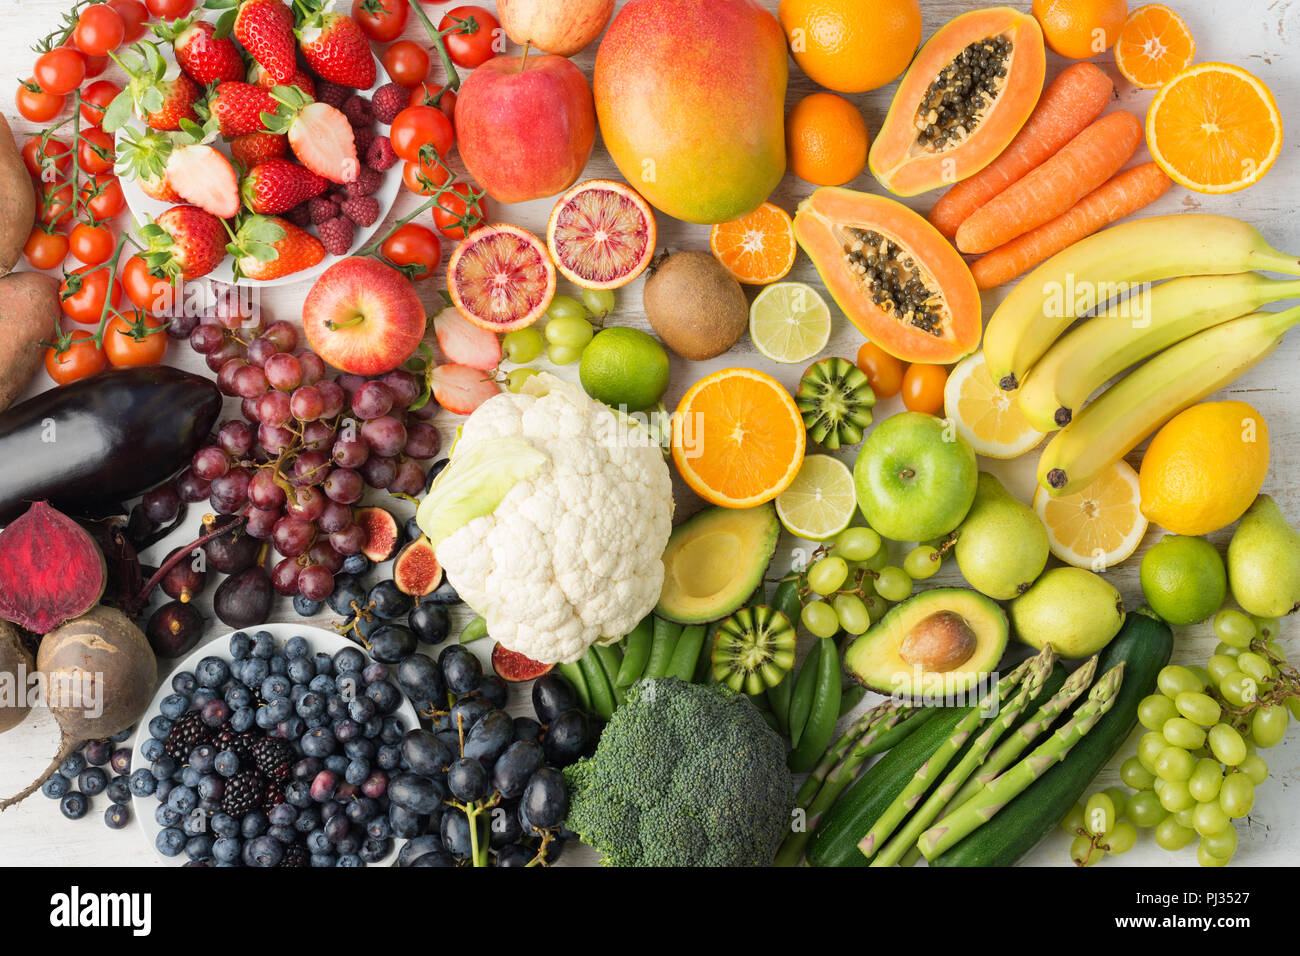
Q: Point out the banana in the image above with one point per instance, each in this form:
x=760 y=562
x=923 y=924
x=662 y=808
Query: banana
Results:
x=1129 y=331
x=1129 y=411
x=1105 y=265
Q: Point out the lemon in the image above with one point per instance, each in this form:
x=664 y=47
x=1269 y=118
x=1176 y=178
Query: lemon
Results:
x=1183 y=579
x=988 y=417
x=1205 y=467
x=820 y=502
x=1099 y=526
x=789 y=322
x=624 y=368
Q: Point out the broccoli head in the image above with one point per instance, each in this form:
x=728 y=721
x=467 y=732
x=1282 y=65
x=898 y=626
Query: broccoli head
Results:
x=684 y=775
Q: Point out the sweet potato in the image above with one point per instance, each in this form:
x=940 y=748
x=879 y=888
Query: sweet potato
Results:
x=17 y=200
x=29 y=311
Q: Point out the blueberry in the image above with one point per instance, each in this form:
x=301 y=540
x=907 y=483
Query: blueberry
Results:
x=183 y=799
x=349 y=859
x=123 y=735
x=151 y=749
x=142 y=783
x=356 y=565
x=243 y=719
x=278 y=708
x=388 y=757
x=212 y=672
x=283 y=835
x=291 y=728
x=282 y=815
x=275 y=686
x=301 y=670
x=92 y=781
x=56 y=787
x=337 y=764
x=379 y=828
x=253 y=824
x=375 y=849
x=97 y=752
x=308 y=818
x=241 y=645
x=349 y=660
x=392 y=731
x=166 y=816
x=322 y=860
x=216 y=712
x=239 y=696
x=165 y=787
x=384 y=696
x=211 y=787
x=255 y=671
x=202 y=696
x=226 y=849
x=120 y=760
x=324 y=663
x=263 y=645
x=117 y=815
x=278 y=665
x=310 y=705
x=305 y=607
x=163 y=767
x=203 y=757
x=296 y=647
x=184 y=682
x=170 y=841
x=323 y=685
x=357 y=772
x=199 y=847
x=118 y=789
x=223 y=824
x=194 y=824
x=360 y=748
x=361 y=709
x=318 y=742
x=173 y=705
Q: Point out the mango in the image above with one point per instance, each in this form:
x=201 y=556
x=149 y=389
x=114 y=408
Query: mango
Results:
x=690 y=97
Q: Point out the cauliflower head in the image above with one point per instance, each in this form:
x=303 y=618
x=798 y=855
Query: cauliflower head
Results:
x=551 y=520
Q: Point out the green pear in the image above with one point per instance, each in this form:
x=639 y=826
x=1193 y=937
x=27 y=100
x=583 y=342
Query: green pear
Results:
x=1002 y=544
x=1264 y=561
x=1074 y=610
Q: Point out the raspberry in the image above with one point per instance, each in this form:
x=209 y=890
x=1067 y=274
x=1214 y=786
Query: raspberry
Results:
x=362 y=137
x=380 y=156
x=389 y=100
x=321 y=210
x=299 y=215
x=358 y=110
x=332 y=93
x=363 y=210
x=367 y=182
x=339 y=195
x=336 y=235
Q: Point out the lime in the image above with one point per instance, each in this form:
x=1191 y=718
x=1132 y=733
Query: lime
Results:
x=820 y=502
x=1183 y=579
x=624 y=368
x=789 y=322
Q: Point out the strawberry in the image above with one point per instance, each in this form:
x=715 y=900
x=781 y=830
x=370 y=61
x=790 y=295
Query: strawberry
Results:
x=253 y=149
x=268 y=247
x=461 y=389
x=157 y=187
x=265 y=29
x=319 y=136
x=205 y=178
x=184 y=241
x=465 y=343
x=161 y=102
x=334 y=45
x=258 y=76
x=238 y=107
x=278 y=185
x=205 y=57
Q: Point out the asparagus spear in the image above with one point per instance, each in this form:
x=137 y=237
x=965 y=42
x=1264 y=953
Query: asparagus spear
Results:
x=1008 y=712
x=991 y=798
x=911 y=795
x=869 y=721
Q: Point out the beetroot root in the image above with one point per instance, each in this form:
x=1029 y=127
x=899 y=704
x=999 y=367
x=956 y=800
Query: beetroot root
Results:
x=16 y=664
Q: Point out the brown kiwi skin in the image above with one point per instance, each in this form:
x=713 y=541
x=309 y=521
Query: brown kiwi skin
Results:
x=694 y=305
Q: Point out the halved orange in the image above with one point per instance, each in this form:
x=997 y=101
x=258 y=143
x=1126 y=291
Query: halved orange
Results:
x=1154 y=46
x=758 y=248
x=1214 y=128
x=738 y=438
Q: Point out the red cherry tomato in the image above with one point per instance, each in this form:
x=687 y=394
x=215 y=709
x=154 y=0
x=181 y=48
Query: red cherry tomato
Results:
x=923 y=388
x=416 y=246
x=457 y=213
x=60 y=71
x=92 y=244
x=135 y=18
x=424 y=178
x=95 y=99
x=47 y=160
x=418 y=126
x=85 y=303
x=471 y=49
x=381 y=20
x=36 y=104
x=169 y=9
x=99 y=29
x=101 y=197
x=45 y=250
x=407 y=63
x=883 y=371
x=140 y=341
x=431 y=94
x=54 y=203
x=95 y=151
x=79 y=359
x=145 y=290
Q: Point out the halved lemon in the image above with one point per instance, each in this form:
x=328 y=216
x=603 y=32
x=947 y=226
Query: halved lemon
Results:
x=1098 y=527
x=820 y=502
x=789 y=322
x=987 y=416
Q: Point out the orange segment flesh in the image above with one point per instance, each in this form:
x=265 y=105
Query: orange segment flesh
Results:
x=758 y=248
x=1154 y=46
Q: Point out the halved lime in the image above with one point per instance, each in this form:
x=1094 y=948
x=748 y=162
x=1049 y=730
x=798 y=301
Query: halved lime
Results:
x=789 y=322
x=820 y=502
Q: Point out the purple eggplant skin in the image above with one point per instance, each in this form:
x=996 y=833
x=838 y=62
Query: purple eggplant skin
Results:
x=91 y=445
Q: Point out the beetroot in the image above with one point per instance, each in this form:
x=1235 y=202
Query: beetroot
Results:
x=515 y=667
x=51 y=570
x=416 y=570
x=16 y=665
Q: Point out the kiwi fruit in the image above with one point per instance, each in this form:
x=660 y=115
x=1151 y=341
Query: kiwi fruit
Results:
x=694 y=305
x=835 y=398
x=753 y=649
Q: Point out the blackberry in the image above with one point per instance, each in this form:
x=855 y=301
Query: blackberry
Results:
x=294 y=855
x=245 y=791
x=273 y=757
x=240 y=743
x=187 y=733
x=273 y=796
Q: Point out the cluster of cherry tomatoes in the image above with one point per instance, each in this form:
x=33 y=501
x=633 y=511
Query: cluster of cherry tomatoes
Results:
x=921 y=385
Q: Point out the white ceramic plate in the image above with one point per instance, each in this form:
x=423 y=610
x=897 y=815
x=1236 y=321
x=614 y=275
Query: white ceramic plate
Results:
x=143 y=808
x=144 y=209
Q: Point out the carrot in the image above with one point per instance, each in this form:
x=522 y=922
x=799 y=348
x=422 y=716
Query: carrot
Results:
x=1128 y=192
x=1071 y=101
x=1083 y=164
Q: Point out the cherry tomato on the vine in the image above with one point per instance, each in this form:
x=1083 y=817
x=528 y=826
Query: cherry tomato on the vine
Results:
x=99 y=29
x=418 y=126
x=37 y=104
x=135 y=18
x=169 y=9
x=424 y=178
x=471 y=49
x=60 y=71
x=83 y=293
x=95 y=151
x=431 y=94
x=407 y=63
x=923 y=388
x=414 y=245
x=45 y=250
x=146 y=290
x=79 y=358
x=95 y=99
x=101 y=197
x=381 y=20
x=47 y=159
x=883 y=371
x=454 y=208
x=139 y=340
x=54 y=203
x=92 y=244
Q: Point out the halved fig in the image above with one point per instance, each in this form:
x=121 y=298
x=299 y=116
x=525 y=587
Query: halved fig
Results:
x=515 y=667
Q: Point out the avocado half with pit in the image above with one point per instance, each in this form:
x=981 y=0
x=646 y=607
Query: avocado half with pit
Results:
x=937 y=643
x=715 y=560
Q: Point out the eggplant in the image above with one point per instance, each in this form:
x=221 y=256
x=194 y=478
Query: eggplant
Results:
x=91 y=445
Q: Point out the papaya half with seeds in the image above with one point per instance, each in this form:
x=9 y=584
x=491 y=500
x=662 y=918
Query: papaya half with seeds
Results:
x=966 y=95
x=891 y=272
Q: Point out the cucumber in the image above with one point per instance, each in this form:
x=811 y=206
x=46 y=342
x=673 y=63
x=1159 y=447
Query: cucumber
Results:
x=835 y=841
x=1143 y=645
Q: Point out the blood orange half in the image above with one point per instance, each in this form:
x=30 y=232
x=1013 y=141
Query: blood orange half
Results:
x=501 y=278
x=601 y=234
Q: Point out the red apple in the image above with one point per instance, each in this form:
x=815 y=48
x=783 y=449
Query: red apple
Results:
x=562 y=27
x=363 y=316
x=525 y=126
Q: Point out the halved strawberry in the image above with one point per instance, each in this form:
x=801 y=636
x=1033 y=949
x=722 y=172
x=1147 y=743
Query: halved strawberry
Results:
x=204 y=177
x=268 y=247
x=464 y=342
x=461 y=389
x=184 y=241
x=319 y=135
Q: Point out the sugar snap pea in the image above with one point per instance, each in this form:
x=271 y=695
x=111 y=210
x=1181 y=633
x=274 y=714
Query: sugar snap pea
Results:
x=573 y=673
x=687 y=652
x=636 y=653
x=802 y=697
x=664 y=642
x=611 y=660
x=602 y=695
x=825 y=710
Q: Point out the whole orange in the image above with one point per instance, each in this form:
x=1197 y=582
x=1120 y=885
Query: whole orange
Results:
x=852 y=46
x=826 y=140
x=1079 y=29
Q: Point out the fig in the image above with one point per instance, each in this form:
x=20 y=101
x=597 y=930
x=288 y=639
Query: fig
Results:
x=515 y=667
x=16 y=666
x=244 y=599
x=232 y=552
x=382 y=533
x=174 y=628
x=184 y=581
x=51 y=570
x=416 y=570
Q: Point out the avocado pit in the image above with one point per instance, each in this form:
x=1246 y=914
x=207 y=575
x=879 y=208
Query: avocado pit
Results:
x=940 y=642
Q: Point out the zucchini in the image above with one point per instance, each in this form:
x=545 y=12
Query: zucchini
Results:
x=1143 y=645
x=835 y=841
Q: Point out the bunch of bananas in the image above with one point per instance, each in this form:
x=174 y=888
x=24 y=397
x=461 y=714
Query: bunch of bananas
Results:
x=1199 y=326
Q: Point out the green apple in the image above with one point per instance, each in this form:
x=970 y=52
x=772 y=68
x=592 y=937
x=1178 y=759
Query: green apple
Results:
x=915 y=477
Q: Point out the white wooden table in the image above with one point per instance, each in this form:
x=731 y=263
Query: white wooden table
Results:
x=1261 y=35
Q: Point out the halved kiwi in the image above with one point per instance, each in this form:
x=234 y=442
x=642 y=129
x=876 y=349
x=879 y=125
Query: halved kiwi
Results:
x=836 y=399
x=753 y=649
